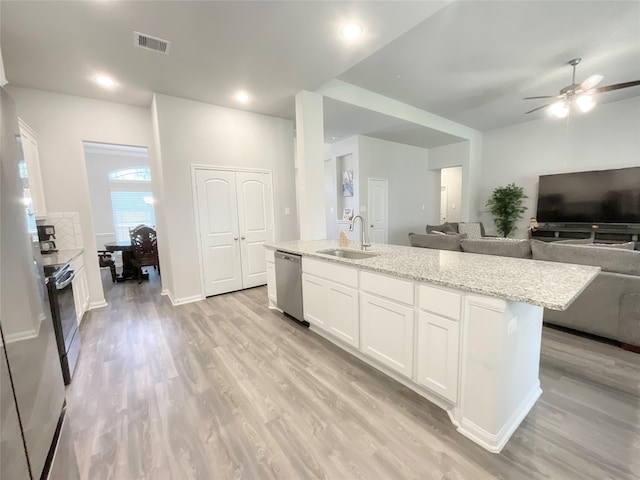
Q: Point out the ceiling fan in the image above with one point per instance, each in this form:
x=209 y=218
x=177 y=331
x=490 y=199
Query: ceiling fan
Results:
x=581 y=95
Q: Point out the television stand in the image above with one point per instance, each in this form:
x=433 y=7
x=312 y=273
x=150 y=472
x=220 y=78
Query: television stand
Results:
x=603 y=233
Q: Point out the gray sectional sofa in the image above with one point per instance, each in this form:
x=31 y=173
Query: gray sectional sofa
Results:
x=609 y=307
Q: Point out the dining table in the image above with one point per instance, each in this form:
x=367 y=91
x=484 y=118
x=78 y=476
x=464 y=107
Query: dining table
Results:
x=128 y=270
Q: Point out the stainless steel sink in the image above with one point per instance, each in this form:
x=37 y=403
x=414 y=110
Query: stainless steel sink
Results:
x=348 y=254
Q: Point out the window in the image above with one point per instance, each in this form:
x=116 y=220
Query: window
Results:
x=131 y=209
x=135 y=174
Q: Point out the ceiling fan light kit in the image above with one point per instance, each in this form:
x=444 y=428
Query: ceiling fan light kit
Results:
x=578 y=96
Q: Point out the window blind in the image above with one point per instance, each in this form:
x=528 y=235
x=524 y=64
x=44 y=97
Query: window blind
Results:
x=130 y=210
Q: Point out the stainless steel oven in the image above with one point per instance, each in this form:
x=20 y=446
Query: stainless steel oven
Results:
x=65 y=321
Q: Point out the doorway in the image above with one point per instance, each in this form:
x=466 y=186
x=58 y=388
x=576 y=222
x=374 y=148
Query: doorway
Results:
x=119 y=179
x=450 y=194
x=234 y=220
x=378 y=193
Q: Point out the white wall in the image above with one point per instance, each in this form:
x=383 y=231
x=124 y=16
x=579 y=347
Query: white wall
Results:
x=62 y=123
x=351 y=94
x=412 y=185
x=191 y=132
x=607 y=137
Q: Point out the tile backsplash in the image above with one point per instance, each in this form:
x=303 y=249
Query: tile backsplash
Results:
x=68 y=231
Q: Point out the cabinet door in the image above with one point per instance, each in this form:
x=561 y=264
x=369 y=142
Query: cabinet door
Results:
x=271 y=284
x=85 y=291
x=438 y=345
x=342 y=313
x=34 y=174
x=386 y=332
x=77 y=295
x=314 y=301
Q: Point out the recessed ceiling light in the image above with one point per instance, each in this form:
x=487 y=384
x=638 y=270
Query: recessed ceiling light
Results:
x=242 y=97
x=351 y=31
x=104 y=81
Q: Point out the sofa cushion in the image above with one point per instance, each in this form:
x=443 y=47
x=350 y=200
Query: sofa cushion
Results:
x=472 y=229
x=624 y=246
x=589 y=241
x=575 y=241
x=435 y=241
x=504 y=247
x=446 y=227
x=614 y=260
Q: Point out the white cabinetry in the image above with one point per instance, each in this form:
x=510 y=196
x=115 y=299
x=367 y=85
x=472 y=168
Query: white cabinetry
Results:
x=80 y=287
x=34 y=175
x=439 y=340
x=329 y=305
x=271 y=278
x=387 y=321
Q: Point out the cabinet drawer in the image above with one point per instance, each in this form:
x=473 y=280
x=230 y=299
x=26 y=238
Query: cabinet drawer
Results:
x=269 y=255
x=392 y=288
x=331 y=271
x=440 y=300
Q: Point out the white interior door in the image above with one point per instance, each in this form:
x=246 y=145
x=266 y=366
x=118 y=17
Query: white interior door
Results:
x=220 y=240
x=378 y=210
x=443 y=203
x=255 y=219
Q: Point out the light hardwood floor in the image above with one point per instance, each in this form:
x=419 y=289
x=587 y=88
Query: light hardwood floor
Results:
x=226 y=388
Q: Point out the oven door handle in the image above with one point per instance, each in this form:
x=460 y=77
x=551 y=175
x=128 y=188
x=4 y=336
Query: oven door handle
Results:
x=65 y=283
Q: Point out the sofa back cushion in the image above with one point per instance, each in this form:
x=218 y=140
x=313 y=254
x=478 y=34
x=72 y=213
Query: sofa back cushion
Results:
x=502 y=247
x=446 y=227
x=472 y=229
x=435 y=241
x=614 y=260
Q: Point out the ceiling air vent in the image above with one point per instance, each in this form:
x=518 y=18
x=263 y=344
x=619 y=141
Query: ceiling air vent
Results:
x=151 y=43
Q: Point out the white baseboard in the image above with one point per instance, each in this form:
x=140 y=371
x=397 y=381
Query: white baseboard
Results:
x=99 y=304
x=495 y=442
x=181 y=301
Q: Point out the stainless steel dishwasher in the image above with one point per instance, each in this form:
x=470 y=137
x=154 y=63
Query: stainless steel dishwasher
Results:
x=289 y=284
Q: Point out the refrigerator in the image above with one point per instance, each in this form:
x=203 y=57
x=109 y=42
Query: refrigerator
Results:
x=35 y=442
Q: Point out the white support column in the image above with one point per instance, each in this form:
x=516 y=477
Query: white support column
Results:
x=310 y=159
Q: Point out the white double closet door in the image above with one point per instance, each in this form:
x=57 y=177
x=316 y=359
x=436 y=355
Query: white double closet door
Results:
x=235 y=216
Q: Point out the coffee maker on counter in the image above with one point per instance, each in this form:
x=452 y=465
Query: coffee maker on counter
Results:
x=47 y=235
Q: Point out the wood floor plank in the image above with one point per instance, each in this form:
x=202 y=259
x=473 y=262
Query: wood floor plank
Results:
x=226 y=388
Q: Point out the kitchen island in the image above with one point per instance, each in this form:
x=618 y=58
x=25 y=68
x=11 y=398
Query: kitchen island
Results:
x=461 y=329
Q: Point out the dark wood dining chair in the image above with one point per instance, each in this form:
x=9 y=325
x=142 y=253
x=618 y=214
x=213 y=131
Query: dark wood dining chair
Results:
x=105 y=259
x=145 y=249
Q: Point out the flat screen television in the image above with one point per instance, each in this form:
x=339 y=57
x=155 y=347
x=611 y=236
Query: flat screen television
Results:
x=594 y=197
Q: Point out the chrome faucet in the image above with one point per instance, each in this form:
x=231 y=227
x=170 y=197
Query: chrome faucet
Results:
x=363 y=240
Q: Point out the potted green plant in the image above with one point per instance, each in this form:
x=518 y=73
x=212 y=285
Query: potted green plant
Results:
x=506 y=206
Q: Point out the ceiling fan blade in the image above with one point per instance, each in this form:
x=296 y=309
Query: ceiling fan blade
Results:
x=538 y=108
x=617 y=86
x=591 y=82
x=536 y=98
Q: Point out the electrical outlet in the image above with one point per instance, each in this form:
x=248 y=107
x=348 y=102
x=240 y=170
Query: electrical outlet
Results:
x=287 y=211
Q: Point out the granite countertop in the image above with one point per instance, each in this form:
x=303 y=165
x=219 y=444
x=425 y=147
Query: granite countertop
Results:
x=547 y=284
x=61 y=257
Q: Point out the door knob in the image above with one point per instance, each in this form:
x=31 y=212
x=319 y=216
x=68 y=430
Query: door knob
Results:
x=235 y=238
x=371 y=226
x=243 y=237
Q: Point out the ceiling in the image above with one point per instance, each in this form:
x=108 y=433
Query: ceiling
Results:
x=468 y=61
